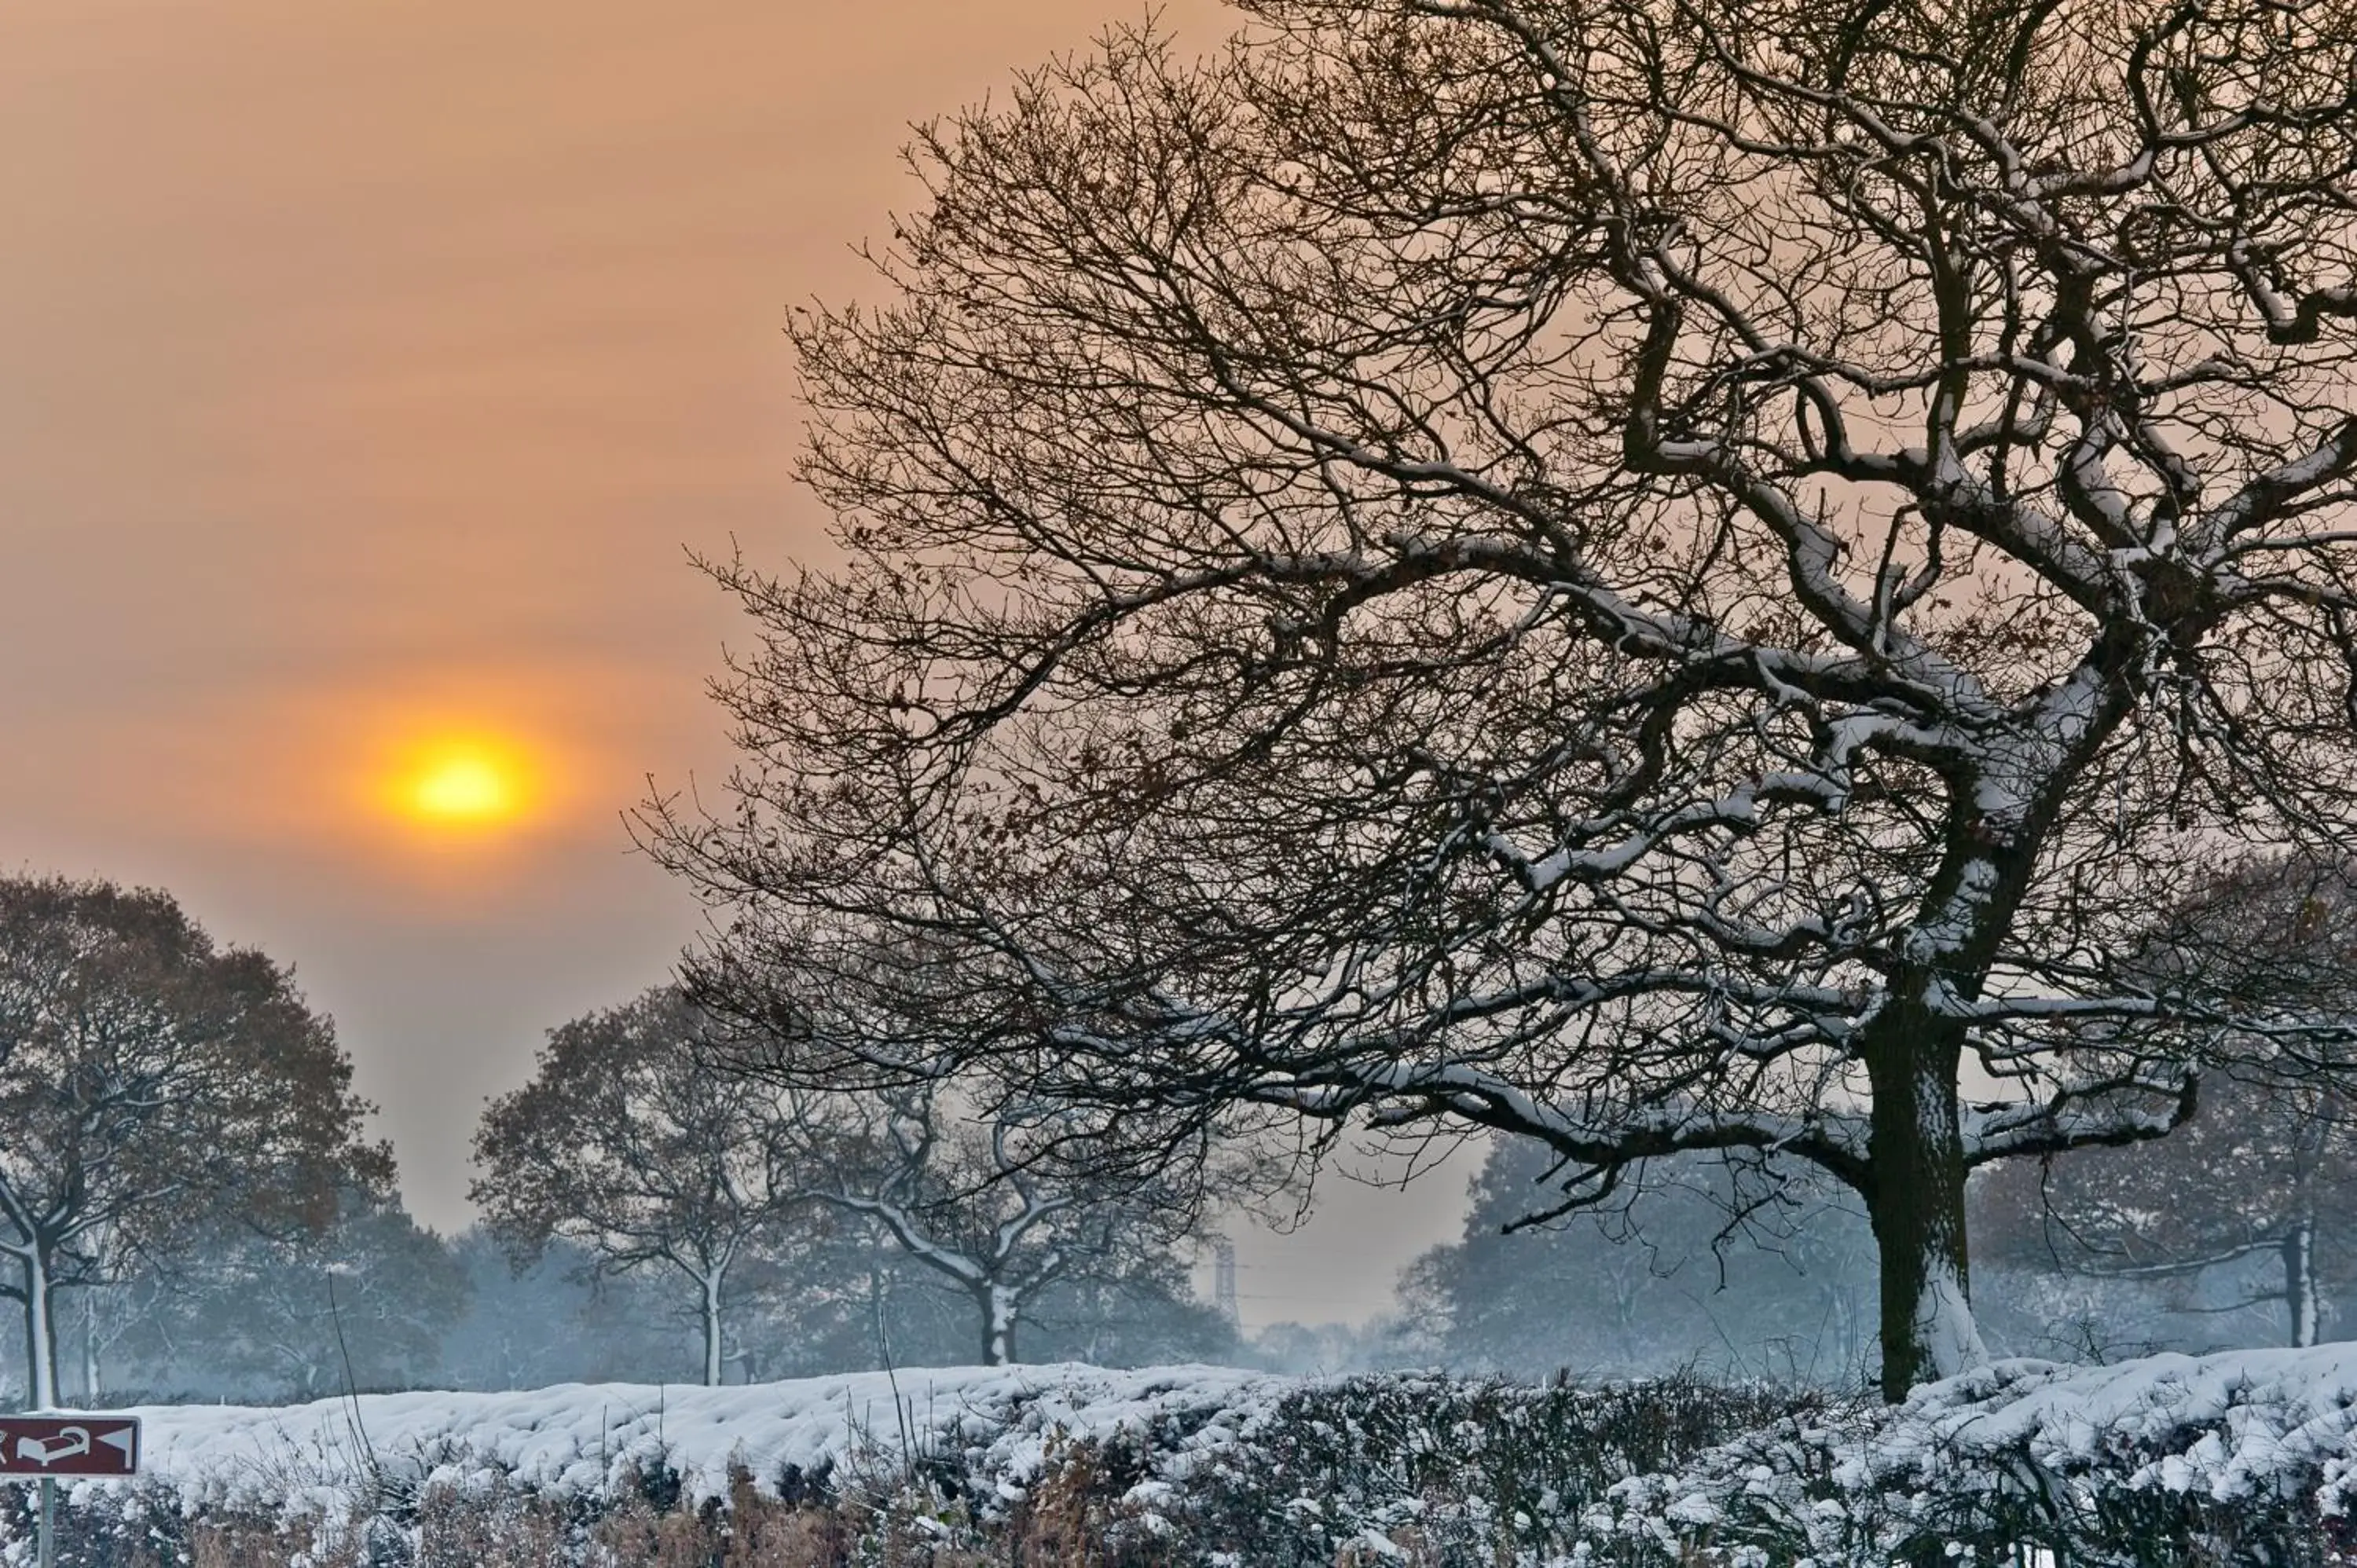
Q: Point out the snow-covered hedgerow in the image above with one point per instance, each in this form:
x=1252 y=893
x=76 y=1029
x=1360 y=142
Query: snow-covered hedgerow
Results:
x=2247 y=1458
x=1436 y=1469
x=372 y=1479
x=2244 y=1457
x=589 y=1441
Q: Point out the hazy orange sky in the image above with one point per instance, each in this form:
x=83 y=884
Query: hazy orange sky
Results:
x=371 y=367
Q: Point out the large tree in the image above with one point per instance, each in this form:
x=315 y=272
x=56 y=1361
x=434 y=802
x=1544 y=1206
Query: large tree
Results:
x=152 y=1082
x=1655 y=575
x=627 y=1142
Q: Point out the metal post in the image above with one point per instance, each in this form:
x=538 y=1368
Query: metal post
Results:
x=49 y=1523
x=1223 y=1280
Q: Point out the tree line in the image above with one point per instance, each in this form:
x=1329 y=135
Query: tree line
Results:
x=2240 y=1231
x=192 y=1210
x=189 y=1204
x=635 y=1140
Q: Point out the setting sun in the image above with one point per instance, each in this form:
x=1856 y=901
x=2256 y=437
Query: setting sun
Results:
x=463 y=781
x=463 y=788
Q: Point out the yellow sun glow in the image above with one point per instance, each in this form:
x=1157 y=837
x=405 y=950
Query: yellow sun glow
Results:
x=464 y=781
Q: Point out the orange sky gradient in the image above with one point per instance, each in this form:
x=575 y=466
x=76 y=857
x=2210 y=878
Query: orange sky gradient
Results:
x=372 y=367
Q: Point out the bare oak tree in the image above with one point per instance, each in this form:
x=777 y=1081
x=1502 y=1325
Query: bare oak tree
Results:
x=151 y=1084
x=1657 y=575
x=626 y=1143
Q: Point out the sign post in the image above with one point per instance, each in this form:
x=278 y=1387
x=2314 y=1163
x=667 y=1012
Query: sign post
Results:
x=79 y=1444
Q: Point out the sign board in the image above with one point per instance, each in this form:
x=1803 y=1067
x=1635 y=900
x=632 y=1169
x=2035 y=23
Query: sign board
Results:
x=38 y=1445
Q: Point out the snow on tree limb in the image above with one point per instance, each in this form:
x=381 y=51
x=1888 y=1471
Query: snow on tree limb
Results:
x=1656 y=576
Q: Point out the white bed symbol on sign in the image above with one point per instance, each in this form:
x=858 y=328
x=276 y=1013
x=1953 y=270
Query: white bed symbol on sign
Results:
x=71 y=1443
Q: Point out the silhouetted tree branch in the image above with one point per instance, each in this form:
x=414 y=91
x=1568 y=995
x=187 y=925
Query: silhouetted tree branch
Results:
x=1660 y=577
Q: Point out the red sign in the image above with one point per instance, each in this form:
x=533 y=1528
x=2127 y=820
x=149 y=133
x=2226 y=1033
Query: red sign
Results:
x=68 y=1445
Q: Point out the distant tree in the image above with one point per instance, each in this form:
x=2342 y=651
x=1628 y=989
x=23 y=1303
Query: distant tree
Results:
x=2264 y=1171
x=626 y=1143
x=1315 y=1349
x=2268 y=1165
x=975 y=1184
x=559 y=1320
x=1137 y=1308
x=108 y=1323
x=1653 y=576
x=149 y=1083
x=976 y=1198
x=1683 y=1273
x=365 y=1303
x=823 y=1303
x=857 y=1300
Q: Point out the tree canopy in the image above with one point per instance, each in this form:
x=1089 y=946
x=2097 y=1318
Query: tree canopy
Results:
x=625 y=1143
x=1661 y=576
x=151 y=1084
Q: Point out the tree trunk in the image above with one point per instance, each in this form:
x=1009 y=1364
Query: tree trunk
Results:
x=90 y=1377
x=712 y=1369
x=40 y=1332
x=876 y=1316
x=998 y=1305
x=2300 y=1297
x=1915 y=1201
